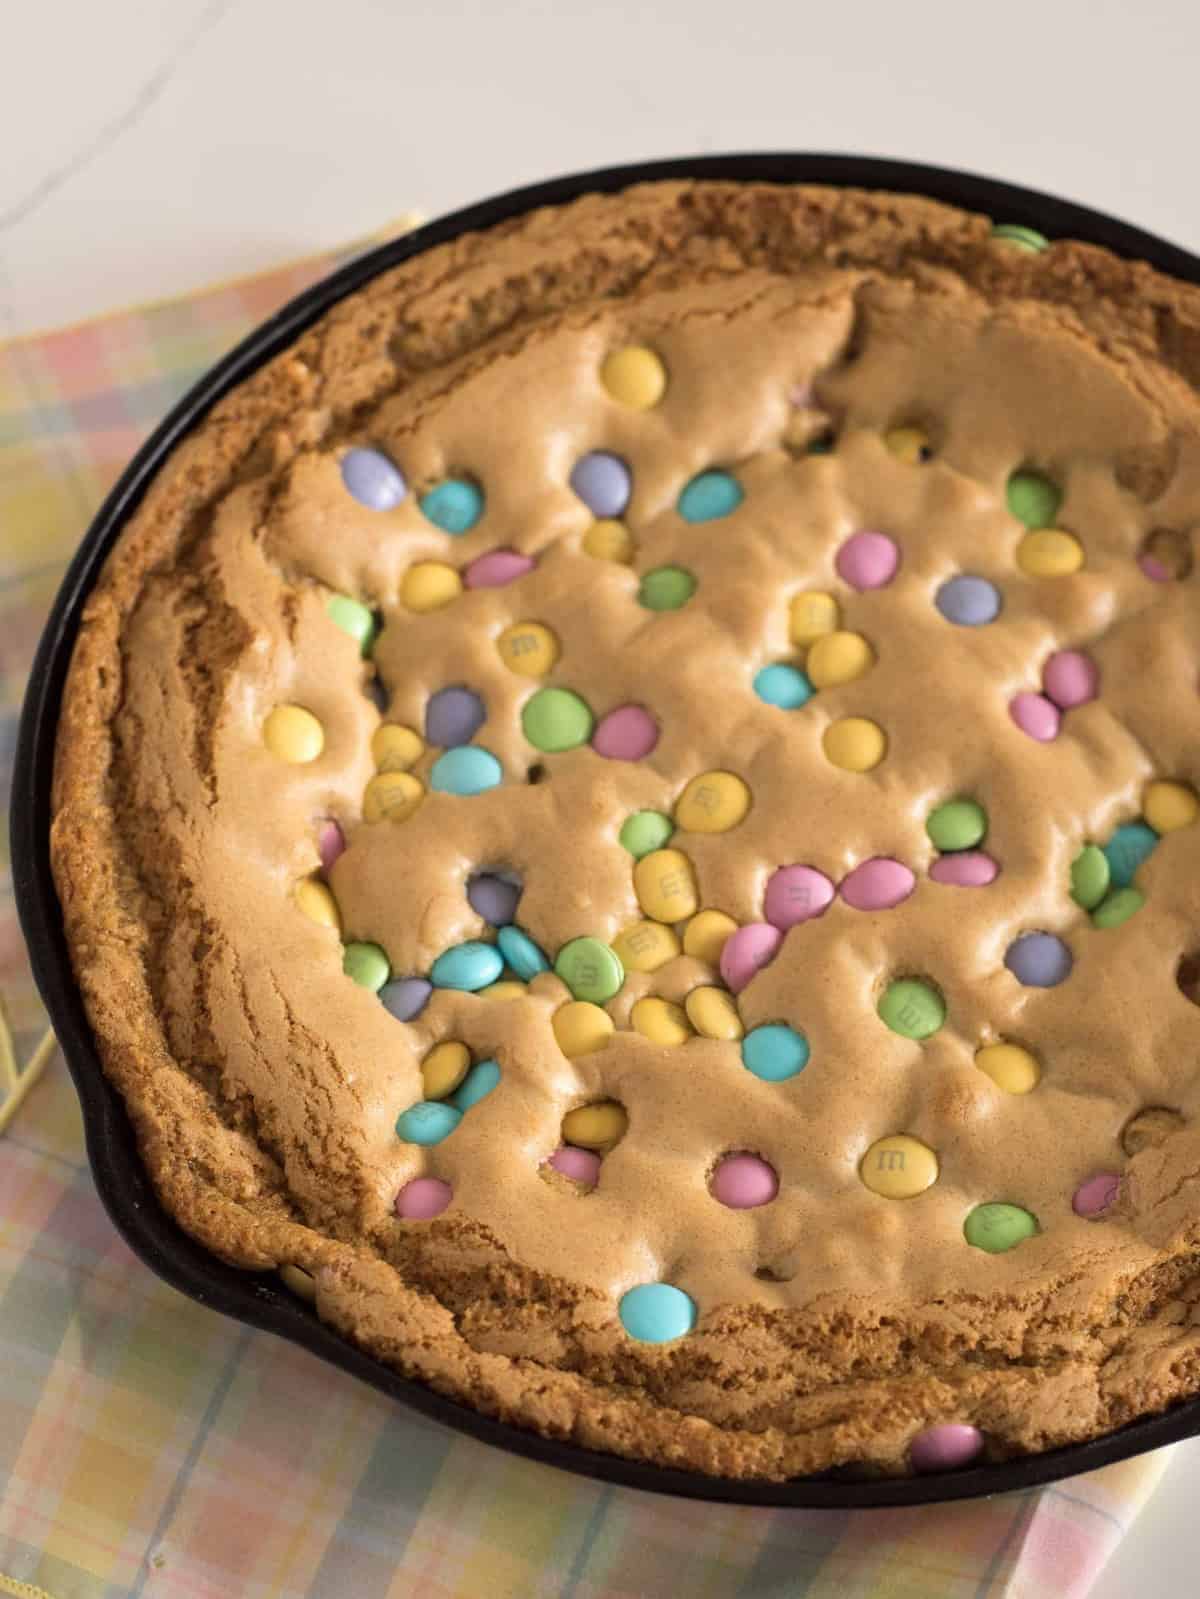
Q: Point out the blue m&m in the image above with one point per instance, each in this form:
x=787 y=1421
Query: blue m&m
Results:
x=467 y=967
x=454 y=505
x=774 y=1052
x=466 y=770
x=710 y=495
x=521 y=953
x=656 y=1313
x=782 y=685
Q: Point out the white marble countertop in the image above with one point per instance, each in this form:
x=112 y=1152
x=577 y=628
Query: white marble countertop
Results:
x=149 y=148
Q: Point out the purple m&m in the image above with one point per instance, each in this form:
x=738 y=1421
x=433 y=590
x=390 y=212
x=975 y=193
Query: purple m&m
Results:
x=743 y=1182
x=423 y=1198
x=406 y=997
x=494 y=898
x=968 y=868
x=747 y=951
x=1093 y=1197
x=868 y=560
x=796 y=894
x=497 y=568
x=1039 y=960
x=372 y=479
x=603 y=482
x=1036 y=715
x=1070 y=678
x=968 y=601
x=453 y=716
x=877 y=885
x=946 y=1447
x=627 y=734
x=331 y=842
x=580 y=1165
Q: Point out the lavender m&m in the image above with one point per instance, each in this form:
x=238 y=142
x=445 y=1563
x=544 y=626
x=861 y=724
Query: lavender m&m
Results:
x=406 y=997
x=331 y=842
x=1093 y=1197
x=603 y=482
x=1036 y=715
x=946 y=1447
x=743 y=1182
x=453 y=716
x=968 y=868
x=423 y=1198
x=747 y=951
x=877 y=885
x=868 y=560
x=1070 y=678
x=580 y=1165
x=968 y=601
x=627 y=734
x=494 y=898
x=372 y=479
x=1039 y=960
x=796 y=894
x=497 y=568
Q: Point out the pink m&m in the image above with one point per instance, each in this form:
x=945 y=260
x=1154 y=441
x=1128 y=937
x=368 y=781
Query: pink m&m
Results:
x=1070 y=678
x=1094 y=1196
x=626 y=734
x=423 y=1198
x=1157 y=571
x=877 y=885
x=330 y=842
x=580 y=1165
x=868 y=560
x=968 y=868
x=496 y=568
x=945 y=1447
x=796 y=894
x=743 y=1182
x=1036 y=715
x=747 y=951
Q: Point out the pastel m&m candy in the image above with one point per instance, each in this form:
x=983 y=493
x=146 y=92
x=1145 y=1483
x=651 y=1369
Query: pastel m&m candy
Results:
x=293 y=734
x=784 y=686
x=423 y=1198
x=1131 y=845
x=555 y=719
x=1096 y=1195
x=454 y=505
x=600 y=1125
x=657 y=1313
x=610 y=540
x=646 y=946
x=301 y=1283
x=521 y=953
x=494 y=898
x=796 y=894
x=713 y=1014
x=945 y=1448
x=877 y=885
x=395 y=748
x=775 y=1052
x=710 y=495
x=427 y=1122
x=838 y=658
x=908 y=444
x=1166 y=556
x=968 y=868
x=497 y=569
x=318 y=904
x=1070 y=678
x=898 y=1167
x=957 y=824
x=712 y=803
x=660 y=1021
x=466 y=770
x=467 y=967
x=392 y=797
x=1036 y=715
x=645 y=831
x=529 y=648
x=1049 y=552
x=1118 y=907
x=855 y=744
x=868 y=560
x=1019 y=237
x=1169 y=806
x=810 y=616
x=968 y=601
x=603 y=482
x=429 y=585
x=590 y=969
x=1039 y=960
x=1090 y=877
x=406 y=997
x=706 y=935
x=366 y=964
x=912 y=1008
x=635 y=376
x=581 y=1028
x=353 y=618
x=580 y=1165
x=744 y=1182
x=476 y=1085
x=372 y=479
x=444 y=1068
x=747 y=951
x=331 y=843
x=666 y=588
x=996 y=1227
x=1032 y=498
x=627 y=734
x=1013 y=1069
x=665 y=885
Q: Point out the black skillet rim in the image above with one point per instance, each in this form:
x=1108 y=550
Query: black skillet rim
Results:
x=258 y=1299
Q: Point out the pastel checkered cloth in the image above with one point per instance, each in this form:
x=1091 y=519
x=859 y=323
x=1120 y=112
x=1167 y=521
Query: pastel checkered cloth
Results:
x=150 y=1447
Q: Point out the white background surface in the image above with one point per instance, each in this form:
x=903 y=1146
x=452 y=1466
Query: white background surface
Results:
x=150 y=146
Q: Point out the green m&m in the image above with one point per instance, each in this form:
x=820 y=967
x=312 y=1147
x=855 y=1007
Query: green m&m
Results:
x=912 y=1008
x=1090 y=877
x=996 y=1227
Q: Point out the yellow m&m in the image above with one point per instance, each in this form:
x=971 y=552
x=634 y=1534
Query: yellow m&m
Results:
x=395 y=749
x=712 y=803
x=898 y=1167
x=713 y=1014
x=528 y=648
x=505 y=989
x=428 y=585
x=1170 y=806
x=854 y=743
x=600 y=1125
x=838 y=658
x=1013 y=1069
x=293 y=734
x=660 y=1021
x=444 y=1068
x=910 y=445
x=580 y=1028
x=610 y=540
x=645 y=946
x=665 y=885
x=704 y=936
x=1049 y=552
x=318 y=904
x=392 y=796
x=635 y=377
x=811 y=616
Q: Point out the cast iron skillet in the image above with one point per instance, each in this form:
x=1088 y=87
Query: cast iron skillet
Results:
x=256 y=1298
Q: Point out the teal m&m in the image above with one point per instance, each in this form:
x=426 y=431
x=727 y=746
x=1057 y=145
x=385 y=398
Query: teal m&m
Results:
x=1125 y=851
x=774 y=1052
x=476 y=1085
x=590 y=969
x=467 y=967
x=656 y=1313
x=645 y=831
x=521 y=953
x=782 y=685
x=427 y=1122
x=466 y=770
x=367 y=965
x=710 y=495
x=353 y=618
x=997 y=1227
x=454 y=505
